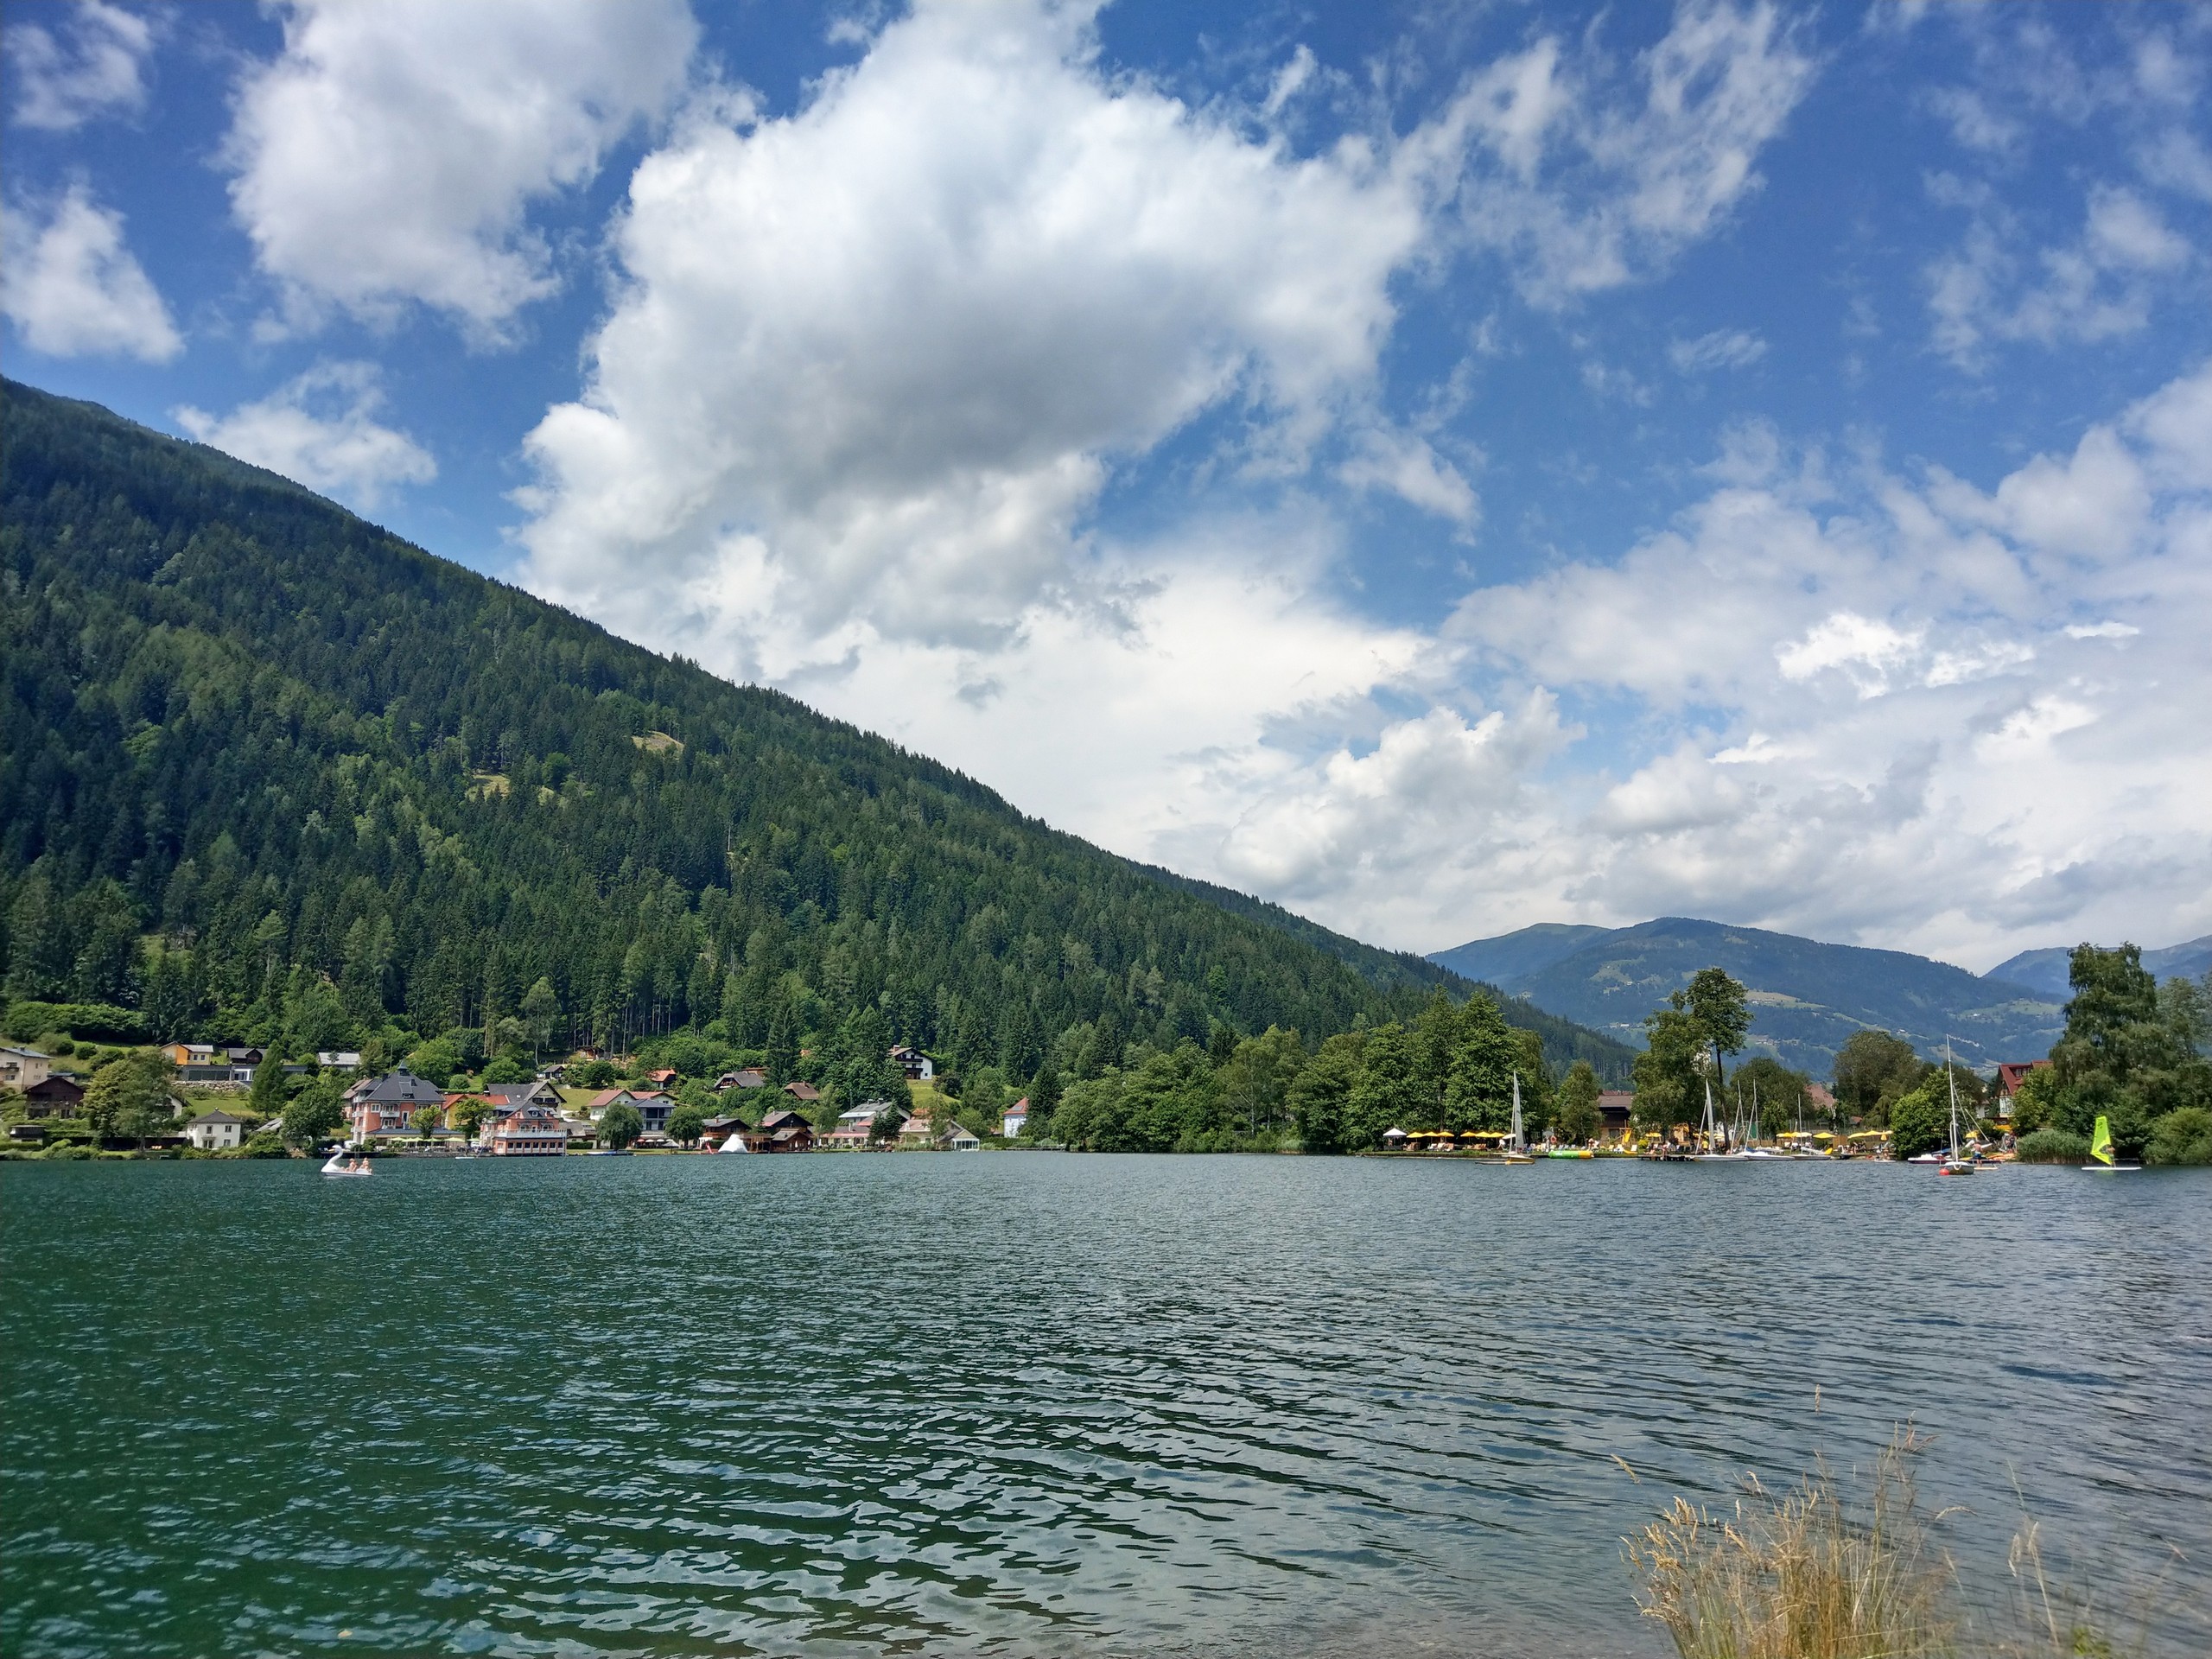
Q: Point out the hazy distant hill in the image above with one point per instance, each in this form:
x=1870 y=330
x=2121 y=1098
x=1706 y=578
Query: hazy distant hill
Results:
x=1513 y=957
x=1808 y=996
x=2046 y=970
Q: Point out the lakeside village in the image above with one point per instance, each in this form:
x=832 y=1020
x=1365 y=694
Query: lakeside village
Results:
x=2129 y=1080
x=399 y=1114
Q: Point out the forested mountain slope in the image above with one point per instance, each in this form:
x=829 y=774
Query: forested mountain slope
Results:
x=1806 y=996
x=266 y=771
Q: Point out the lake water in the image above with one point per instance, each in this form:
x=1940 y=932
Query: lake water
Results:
x=1029 y=1403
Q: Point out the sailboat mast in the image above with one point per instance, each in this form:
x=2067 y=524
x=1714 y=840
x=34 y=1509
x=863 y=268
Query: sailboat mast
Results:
x=1951 y=1077
x=1516 y=1111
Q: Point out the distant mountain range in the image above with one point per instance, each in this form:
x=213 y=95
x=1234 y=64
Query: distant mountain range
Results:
x=1807 y=997
x=2046 y=970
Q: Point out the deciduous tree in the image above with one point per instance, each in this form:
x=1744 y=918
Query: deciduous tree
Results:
x=315 y=1114
x=1320 y=1097
x=1576 y=1117
x=129 y=1097
x=620 y=1124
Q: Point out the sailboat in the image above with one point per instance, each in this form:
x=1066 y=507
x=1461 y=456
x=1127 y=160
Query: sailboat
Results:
x=1711 y=1154
x=2101 y=1158
x=1958 y=1163
x=1516 y=1150
x=1752 y=1131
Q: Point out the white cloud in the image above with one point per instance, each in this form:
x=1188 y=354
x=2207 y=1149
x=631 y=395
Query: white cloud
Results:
x=2008 y=279
x=391 y=153
x=1884 y=724
x=1865 y=652
x=1611 y=382
x=2176 y=160
x=321 y=430
x=2032 y=728
x=95 y=67
x=2099 y=286
x=1724 y=348
x=1155 y=733
x=2174 y=426
x=1972 y=123
x=1404 y=464
x=869 y=367
x=1385 y=816
x=2092 y=505
x=873 y=362
x=72 y=286
x=1588 y=188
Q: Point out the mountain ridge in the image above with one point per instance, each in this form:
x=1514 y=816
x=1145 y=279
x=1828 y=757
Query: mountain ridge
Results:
x=2045 y=969
x=1806 y=996
x=288 y=750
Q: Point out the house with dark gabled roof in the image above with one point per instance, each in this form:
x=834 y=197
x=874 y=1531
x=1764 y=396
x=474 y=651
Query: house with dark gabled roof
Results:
x=538 y=1089
x=654 y=1108
x=386 y=1106
x=530 y=1128
x=56 y=1094
x=782 y=1131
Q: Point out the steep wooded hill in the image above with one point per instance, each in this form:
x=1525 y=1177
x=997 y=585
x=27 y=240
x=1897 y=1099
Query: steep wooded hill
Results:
x=267 y=771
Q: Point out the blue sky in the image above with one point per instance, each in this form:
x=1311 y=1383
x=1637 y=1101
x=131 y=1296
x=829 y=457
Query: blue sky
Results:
x=1443 y=468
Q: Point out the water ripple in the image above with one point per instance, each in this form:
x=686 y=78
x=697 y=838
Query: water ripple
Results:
x=1025 y=1404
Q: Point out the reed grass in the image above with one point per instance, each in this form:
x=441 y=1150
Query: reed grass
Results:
x=2052 y=1146
x=1796 y=1575
x=1807 y=1574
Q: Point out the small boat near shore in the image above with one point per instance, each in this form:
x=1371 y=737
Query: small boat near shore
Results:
x=1516 y=1149
x=347 y=1163
x=1957 y=1163
x=1711 y=1135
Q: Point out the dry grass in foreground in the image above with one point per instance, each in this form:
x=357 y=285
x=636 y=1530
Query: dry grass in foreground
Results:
x=1802 y=1575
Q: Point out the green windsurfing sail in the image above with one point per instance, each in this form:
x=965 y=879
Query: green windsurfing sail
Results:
x=2100 y=1142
